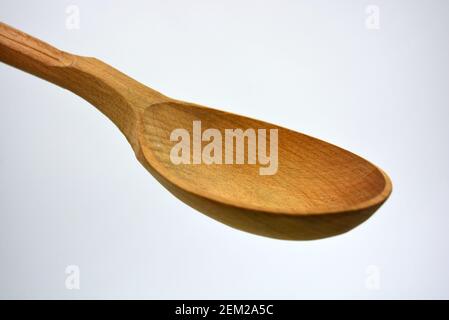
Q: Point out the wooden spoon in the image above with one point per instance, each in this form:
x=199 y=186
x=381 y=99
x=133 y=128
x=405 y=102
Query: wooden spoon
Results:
x=319 y=190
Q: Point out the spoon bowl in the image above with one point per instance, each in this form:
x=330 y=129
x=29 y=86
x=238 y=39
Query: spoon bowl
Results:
x=319 y=190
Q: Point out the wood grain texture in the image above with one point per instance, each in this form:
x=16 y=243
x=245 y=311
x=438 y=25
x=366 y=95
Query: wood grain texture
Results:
x=319 y=190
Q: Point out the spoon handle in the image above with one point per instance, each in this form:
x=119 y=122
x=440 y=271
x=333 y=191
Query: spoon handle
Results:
x=103 y=86
x=32 y=55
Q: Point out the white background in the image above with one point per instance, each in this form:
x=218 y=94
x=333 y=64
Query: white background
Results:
x=72 y=192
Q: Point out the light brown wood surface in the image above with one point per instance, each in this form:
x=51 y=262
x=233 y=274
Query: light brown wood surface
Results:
x=319 y=190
